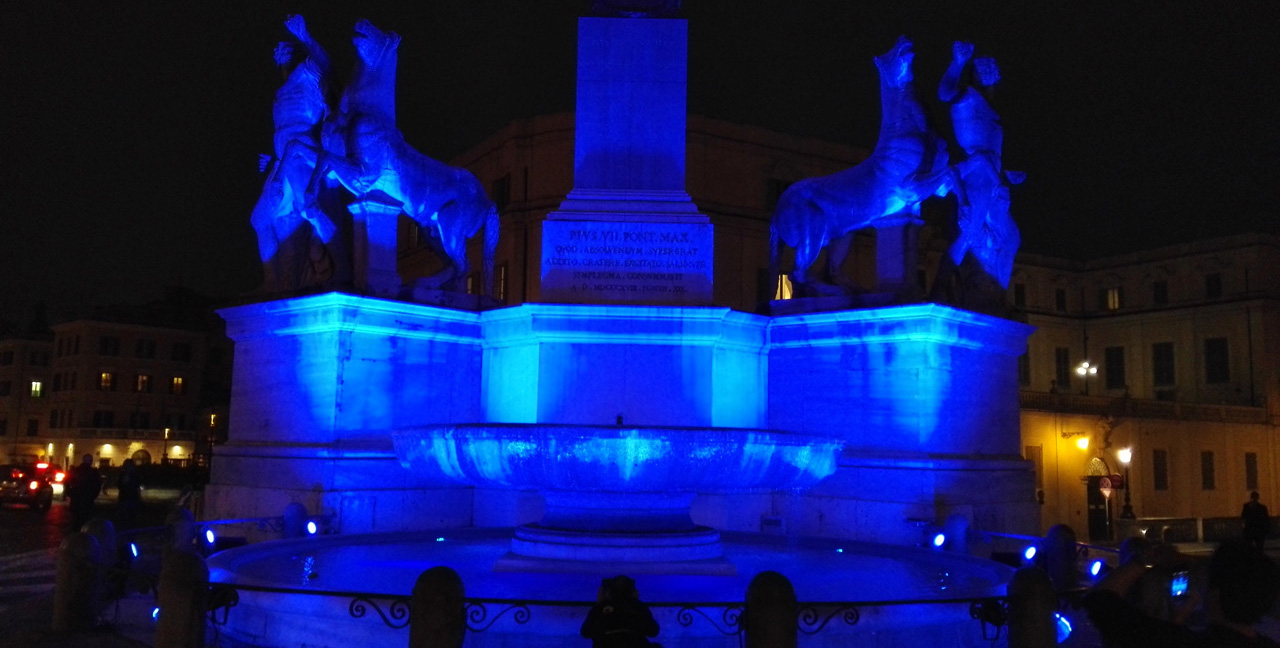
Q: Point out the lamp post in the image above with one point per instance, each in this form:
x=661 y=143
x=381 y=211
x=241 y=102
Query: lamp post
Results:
x=1086 y=371
x=1125 y=455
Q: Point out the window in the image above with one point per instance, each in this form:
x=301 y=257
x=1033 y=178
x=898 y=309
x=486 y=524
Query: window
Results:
x=1162 y=373
x=1060 y=300
x=74 y=347
x=140 y=420
x=72 y=376
x=6 y=357
x=181 y=352
x=33 y=427
x=176 y=421
x=177 y=386
x=1160 y=292
x=142 y=384
x=106 y=381
x=1114 y=366
x=1206 y=470
x=1062 y=368
x=58 y=353
x=104 y=419
x=501 y=191
x=4 y=427
x=57 y=382
x=1113 y=298
x=1251 y=471
x=1035 y=454
x=1160 y=470
x=37 y=389
x=1217 y=361
x=773 y=192
x=145 y=348
x=1024 y=370
x=53 y=419
x=500 y=278
x=1019 y=295
x=473 y=283
x=109 y=345
x=1213 y=285
x=784 y=289
x=5 y=387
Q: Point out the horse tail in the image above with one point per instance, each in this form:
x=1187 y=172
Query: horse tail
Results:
x=490 y=246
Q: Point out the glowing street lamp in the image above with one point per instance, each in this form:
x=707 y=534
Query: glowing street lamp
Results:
x=1125 y=455
x=1086 y=371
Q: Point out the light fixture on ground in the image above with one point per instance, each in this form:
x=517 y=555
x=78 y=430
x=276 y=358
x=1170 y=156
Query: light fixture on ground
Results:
x=1125 y=455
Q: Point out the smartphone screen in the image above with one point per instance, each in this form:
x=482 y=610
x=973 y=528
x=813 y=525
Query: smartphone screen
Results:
x=1178 y=586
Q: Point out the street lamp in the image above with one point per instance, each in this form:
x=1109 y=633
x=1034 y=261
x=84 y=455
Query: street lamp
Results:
x=1125 y=455
x=1086 y=371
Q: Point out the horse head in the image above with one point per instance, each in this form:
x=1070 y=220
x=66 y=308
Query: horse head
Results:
x=374 y=46
x=895 y=65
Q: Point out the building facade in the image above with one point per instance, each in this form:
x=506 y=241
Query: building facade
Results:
x=148 y=383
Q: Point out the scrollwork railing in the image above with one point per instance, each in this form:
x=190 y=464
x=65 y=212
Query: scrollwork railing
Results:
x=730 y=618
x=478 y=613
x=810 y=620
x=396 y=616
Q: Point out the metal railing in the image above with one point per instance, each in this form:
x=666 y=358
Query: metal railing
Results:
x=1141 y=408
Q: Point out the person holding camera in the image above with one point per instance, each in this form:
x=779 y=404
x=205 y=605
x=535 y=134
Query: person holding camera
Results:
x=619 y=619
x=1242 y=585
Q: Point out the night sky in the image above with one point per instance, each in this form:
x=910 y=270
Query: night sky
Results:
x=130 y=130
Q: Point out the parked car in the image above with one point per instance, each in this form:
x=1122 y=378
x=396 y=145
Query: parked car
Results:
x=26 y=485
x=56 y=476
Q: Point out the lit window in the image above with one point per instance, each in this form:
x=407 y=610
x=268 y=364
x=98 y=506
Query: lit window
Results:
x=143 y=384
x=1115 y=298
x=37 y=389
x=106 y=381
x=784 y=289
x=177 y=386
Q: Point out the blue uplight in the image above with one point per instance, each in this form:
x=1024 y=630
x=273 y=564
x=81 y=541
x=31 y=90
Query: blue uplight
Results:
x=311 y=527
x=1029 y=553
x=939 y=539
x=209 y=537
x=1095 y=567
x=440 y=539
x=155 y=614
x=133 y=549
x=1064 y=627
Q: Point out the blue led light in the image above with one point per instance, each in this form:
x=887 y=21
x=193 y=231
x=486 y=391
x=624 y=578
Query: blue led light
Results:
x=1095 y=567
x=1064 y=627
x=440 y=539
x=155 y=614
x=1030 y=553
x=311 y=527
x=133 y=549
x=939 y=539
x=208 y=536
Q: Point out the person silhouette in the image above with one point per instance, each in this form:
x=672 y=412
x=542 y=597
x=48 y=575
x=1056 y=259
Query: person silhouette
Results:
x=619 y=619
x=1257 y=521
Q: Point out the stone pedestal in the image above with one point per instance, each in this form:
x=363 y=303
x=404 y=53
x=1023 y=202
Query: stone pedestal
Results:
x=374 y=247
x=897 y=258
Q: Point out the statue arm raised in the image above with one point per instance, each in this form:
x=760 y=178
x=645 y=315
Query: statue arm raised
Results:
x=298 y=27
x=949 y=87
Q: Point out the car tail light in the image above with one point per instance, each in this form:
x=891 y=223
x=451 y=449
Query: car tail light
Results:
x=42 y=465
x=15 y=474
x=34 y=485
x=59 y=476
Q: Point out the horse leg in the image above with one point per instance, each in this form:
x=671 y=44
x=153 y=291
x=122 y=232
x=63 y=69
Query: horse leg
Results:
x=837 y=252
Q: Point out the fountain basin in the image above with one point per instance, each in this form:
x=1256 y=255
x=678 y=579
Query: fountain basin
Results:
x=323 y=575
x=618 y=494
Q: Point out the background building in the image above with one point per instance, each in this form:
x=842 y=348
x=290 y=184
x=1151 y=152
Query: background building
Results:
x=147 y=382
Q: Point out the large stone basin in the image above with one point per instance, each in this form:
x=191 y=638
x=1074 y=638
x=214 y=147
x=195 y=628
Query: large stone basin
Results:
x=617 y=493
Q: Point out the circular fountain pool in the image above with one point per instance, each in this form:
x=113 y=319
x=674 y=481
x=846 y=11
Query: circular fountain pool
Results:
x=316 y=585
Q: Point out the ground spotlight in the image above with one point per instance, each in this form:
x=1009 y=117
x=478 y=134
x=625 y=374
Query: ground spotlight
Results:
x=209 y=536
x=133 y=549
x=1098 y=568
x=938 y=540
x=155 y=614
x=1029 y=554
x=311 y=527
x=1063 y=625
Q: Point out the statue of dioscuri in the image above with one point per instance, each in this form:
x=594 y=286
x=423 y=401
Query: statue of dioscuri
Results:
x=908 y=164
x=362 y=149
x=293 y=243
x=986 y=228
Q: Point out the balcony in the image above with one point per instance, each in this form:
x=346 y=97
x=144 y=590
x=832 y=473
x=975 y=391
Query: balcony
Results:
x=1140 y=408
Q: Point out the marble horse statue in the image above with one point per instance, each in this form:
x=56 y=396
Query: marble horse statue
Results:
x=909 y=164
x=367 y=154
x=986 y=228
x=294 y=243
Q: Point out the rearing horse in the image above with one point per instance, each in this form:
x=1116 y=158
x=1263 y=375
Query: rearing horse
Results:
x=908 y=164
x=365 y=152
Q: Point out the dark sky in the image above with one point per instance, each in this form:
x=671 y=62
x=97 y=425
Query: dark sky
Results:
x=130 y=130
